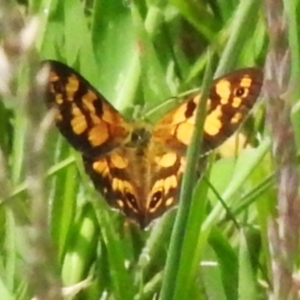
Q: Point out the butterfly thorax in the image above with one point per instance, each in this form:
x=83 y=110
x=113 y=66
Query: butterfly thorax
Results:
x=140 y=136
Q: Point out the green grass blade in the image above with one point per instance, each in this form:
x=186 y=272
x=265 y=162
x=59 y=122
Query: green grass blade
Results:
x=169 y=290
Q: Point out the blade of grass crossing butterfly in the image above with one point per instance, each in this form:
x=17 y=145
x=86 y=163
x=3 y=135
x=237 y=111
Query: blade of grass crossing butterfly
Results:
x=177 y=240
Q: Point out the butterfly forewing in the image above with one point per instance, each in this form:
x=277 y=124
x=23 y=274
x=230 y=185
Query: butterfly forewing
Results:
x=230 y=99
x=85 y=118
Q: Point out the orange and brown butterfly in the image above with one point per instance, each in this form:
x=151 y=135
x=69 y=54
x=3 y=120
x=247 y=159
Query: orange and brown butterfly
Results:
x=136 y=166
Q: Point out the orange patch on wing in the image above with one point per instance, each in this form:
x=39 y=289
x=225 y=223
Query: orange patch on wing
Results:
x=71 y=87
x=169 y=201
x=236 y=102
x=212 y=124
x=88 y=101
x=110 y=116
x=223 y=89
x=101 y=167
x=99 y=134
x=167 y=160
x=236 y=118
x=119 y=161
x=184 y=133
x=78 y=121
x=246 y=82
x=170 y=183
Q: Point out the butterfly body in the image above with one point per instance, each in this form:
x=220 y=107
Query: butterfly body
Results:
x=138 y=166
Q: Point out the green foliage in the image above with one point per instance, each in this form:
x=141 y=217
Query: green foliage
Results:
x=138 y=54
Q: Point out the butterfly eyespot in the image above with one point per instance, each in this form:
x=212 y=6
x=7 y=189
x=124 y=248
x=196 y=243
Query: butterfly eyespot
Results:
x=131 y=200
x=240 y=92
x=155 y=199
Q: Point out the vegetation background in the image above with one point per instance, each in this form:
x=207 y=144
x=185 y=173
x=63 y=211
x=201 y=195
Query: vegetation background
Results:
x=239 y=236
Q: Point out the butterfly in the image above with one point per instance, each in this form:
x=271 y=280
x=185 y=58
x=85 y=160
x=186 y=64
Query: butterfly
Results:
x=136 y=166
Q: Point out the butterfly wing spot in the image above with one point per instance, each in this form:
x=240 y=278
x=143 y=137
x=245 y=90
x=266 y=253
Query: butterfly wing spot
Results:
x=117 y=184
x=184 y=132
x=237 y=101
x=110 y=116
x=213 y=124
x=179 y=115
x=76 y=111
x=170 y=183
x=78 y=122
x=101 y=167
x=223 y=89
x=59 y=99
x=167 y=160
x=71 y=87
x=98 y=134
x=118 y=161
x=88 y=101
x=169 y=201
x=246 y=81
x=236 y=118
x=120 y=203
